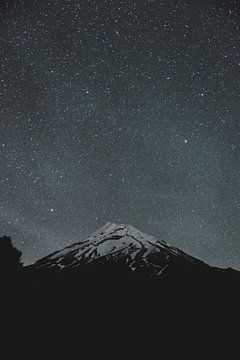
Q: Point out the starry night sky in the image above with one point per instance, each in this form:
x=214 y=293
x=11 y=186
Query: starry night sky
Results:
x=123 y=111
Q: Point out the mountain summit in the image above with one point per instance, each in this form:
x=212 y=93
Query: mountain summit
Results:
x=142 y=255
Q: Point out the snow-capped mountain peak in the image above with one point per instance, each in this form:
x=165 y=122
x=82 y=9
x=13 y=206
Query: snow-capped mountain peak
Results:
x=115 y=241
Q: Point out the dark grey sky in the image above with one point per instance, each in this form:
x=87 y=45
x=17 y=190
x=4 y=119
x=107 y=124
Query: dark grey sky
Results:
x=122 y=111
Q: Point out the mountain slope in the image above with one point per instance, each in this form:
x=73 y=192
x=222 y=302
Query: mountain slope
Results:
x=142 y=255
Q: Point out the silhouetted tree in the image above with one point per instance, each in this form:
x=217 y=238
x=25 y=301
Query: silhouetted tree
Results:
x=10 y=259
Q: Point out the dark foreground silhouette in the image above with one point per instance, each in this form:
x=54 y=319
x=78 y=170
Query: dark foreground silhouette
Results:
x=120 y=293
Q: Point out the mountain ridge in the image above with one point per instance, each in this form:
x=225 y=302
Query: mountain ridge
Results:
x=138 y=251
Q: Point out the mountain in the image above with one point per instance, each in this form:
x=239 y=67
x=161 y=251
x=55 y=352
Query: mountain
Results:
x=122 y=292
x=118 y=249
x=114 y=242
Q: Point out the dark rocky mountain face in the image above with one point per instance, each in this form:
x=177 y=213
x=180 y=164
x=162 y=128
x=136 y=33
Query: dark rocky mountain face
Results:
x=122 y=291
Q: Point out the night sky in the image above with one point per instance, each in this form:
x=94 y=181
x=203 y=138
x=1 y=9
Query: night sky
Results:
x=123 y=111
